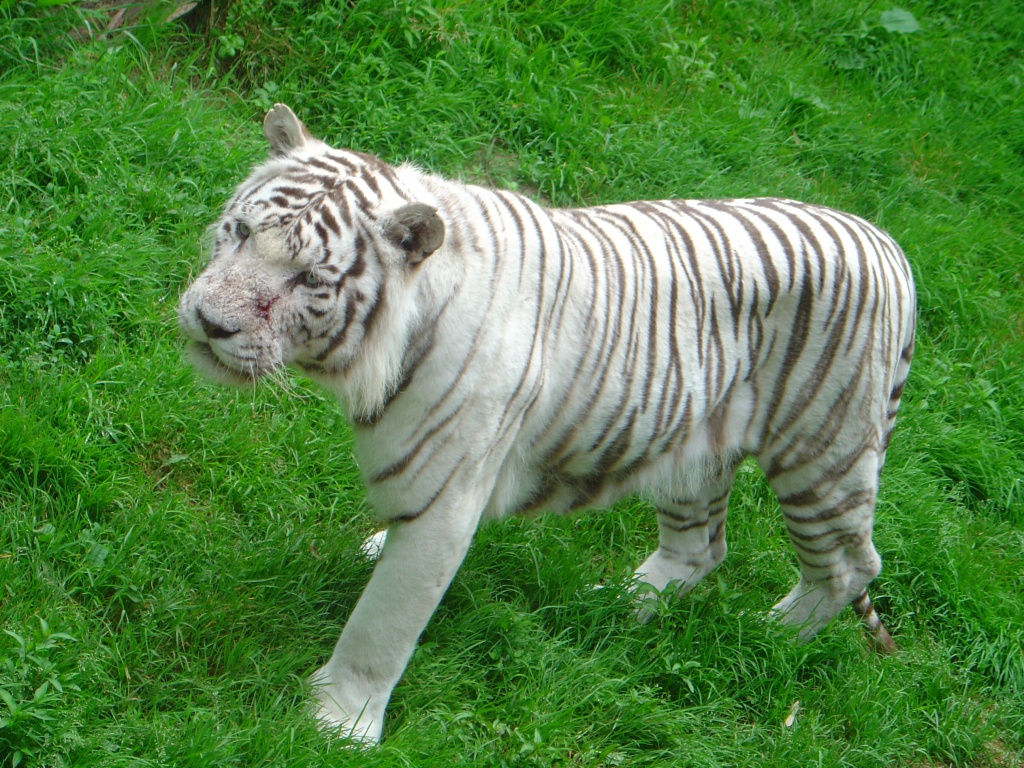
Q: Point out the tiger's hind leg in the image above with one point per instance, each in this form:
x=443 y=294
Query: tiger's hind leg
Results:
x=829 y=507
x=691 y=539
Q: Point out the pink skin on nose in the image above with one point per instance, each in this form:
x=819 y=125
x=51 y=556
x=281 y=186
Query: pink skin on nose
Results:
x=263 y=307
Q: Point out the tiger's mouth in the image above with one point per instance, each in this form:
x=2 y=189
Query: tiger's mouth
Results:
x=211 y=365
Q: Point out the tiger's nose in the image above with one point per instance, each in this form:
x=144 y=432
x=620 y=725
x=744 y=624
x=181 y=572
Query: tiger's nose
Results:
x=212 y=329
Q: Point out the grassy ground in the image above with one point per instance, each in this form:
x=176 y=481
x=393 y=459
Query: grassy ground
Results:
x=176 y=558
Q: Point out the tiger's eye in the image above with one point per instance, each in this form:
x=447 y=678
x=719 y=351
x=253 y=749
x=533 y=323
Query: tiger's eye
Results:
x=312 y=280
x=243 y=230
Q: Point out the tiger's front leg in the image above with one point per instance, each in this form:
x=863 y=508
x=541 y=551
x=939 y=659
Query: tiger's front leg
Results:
x=417 y=563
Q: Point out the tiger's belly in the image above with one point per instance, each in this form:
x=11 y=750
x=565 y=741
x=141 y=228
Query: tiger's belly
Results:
x=661 y=465
x=525 y=490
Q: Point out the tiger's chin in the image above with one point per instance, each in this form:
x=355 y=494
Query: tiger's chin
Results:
x=205 y=360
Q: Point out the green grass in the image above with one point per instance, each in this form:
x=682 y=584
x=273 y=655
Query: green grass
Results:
x=175 y=558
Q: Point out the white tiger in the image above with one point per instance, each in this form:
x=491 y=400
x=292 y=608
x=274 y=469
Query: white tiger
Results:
x=496 y=357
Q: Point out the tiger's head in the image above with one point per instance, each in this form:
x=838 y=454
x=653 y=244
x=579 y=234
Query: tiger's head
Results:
x=312 y=263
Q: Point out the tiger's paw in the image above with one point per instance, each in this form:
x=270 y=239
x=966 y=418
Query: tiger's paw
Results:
x=373 y=545
x=650 y=602
x=361 y=729
x=645 y=599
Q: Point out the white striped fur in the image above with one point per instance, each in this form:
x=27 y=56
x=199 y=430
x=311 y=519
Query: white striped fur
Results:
x=496 y=357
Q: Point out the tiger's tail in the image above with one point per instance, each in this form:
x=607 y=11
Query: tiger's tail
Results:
x=881 y=640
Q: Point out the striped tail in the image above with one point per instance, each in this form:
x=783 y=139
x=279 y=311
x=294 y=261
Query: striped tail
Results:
x=881 y=641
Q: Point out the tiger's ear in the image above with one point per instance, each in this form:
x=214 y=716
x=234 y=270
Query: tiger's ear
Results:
x=284 y=131
x=416 y=229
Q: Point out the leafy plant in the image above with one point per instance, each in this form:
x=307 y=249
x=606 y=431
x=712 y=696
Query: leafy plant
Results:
x=867 y=46
x=35 y=682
